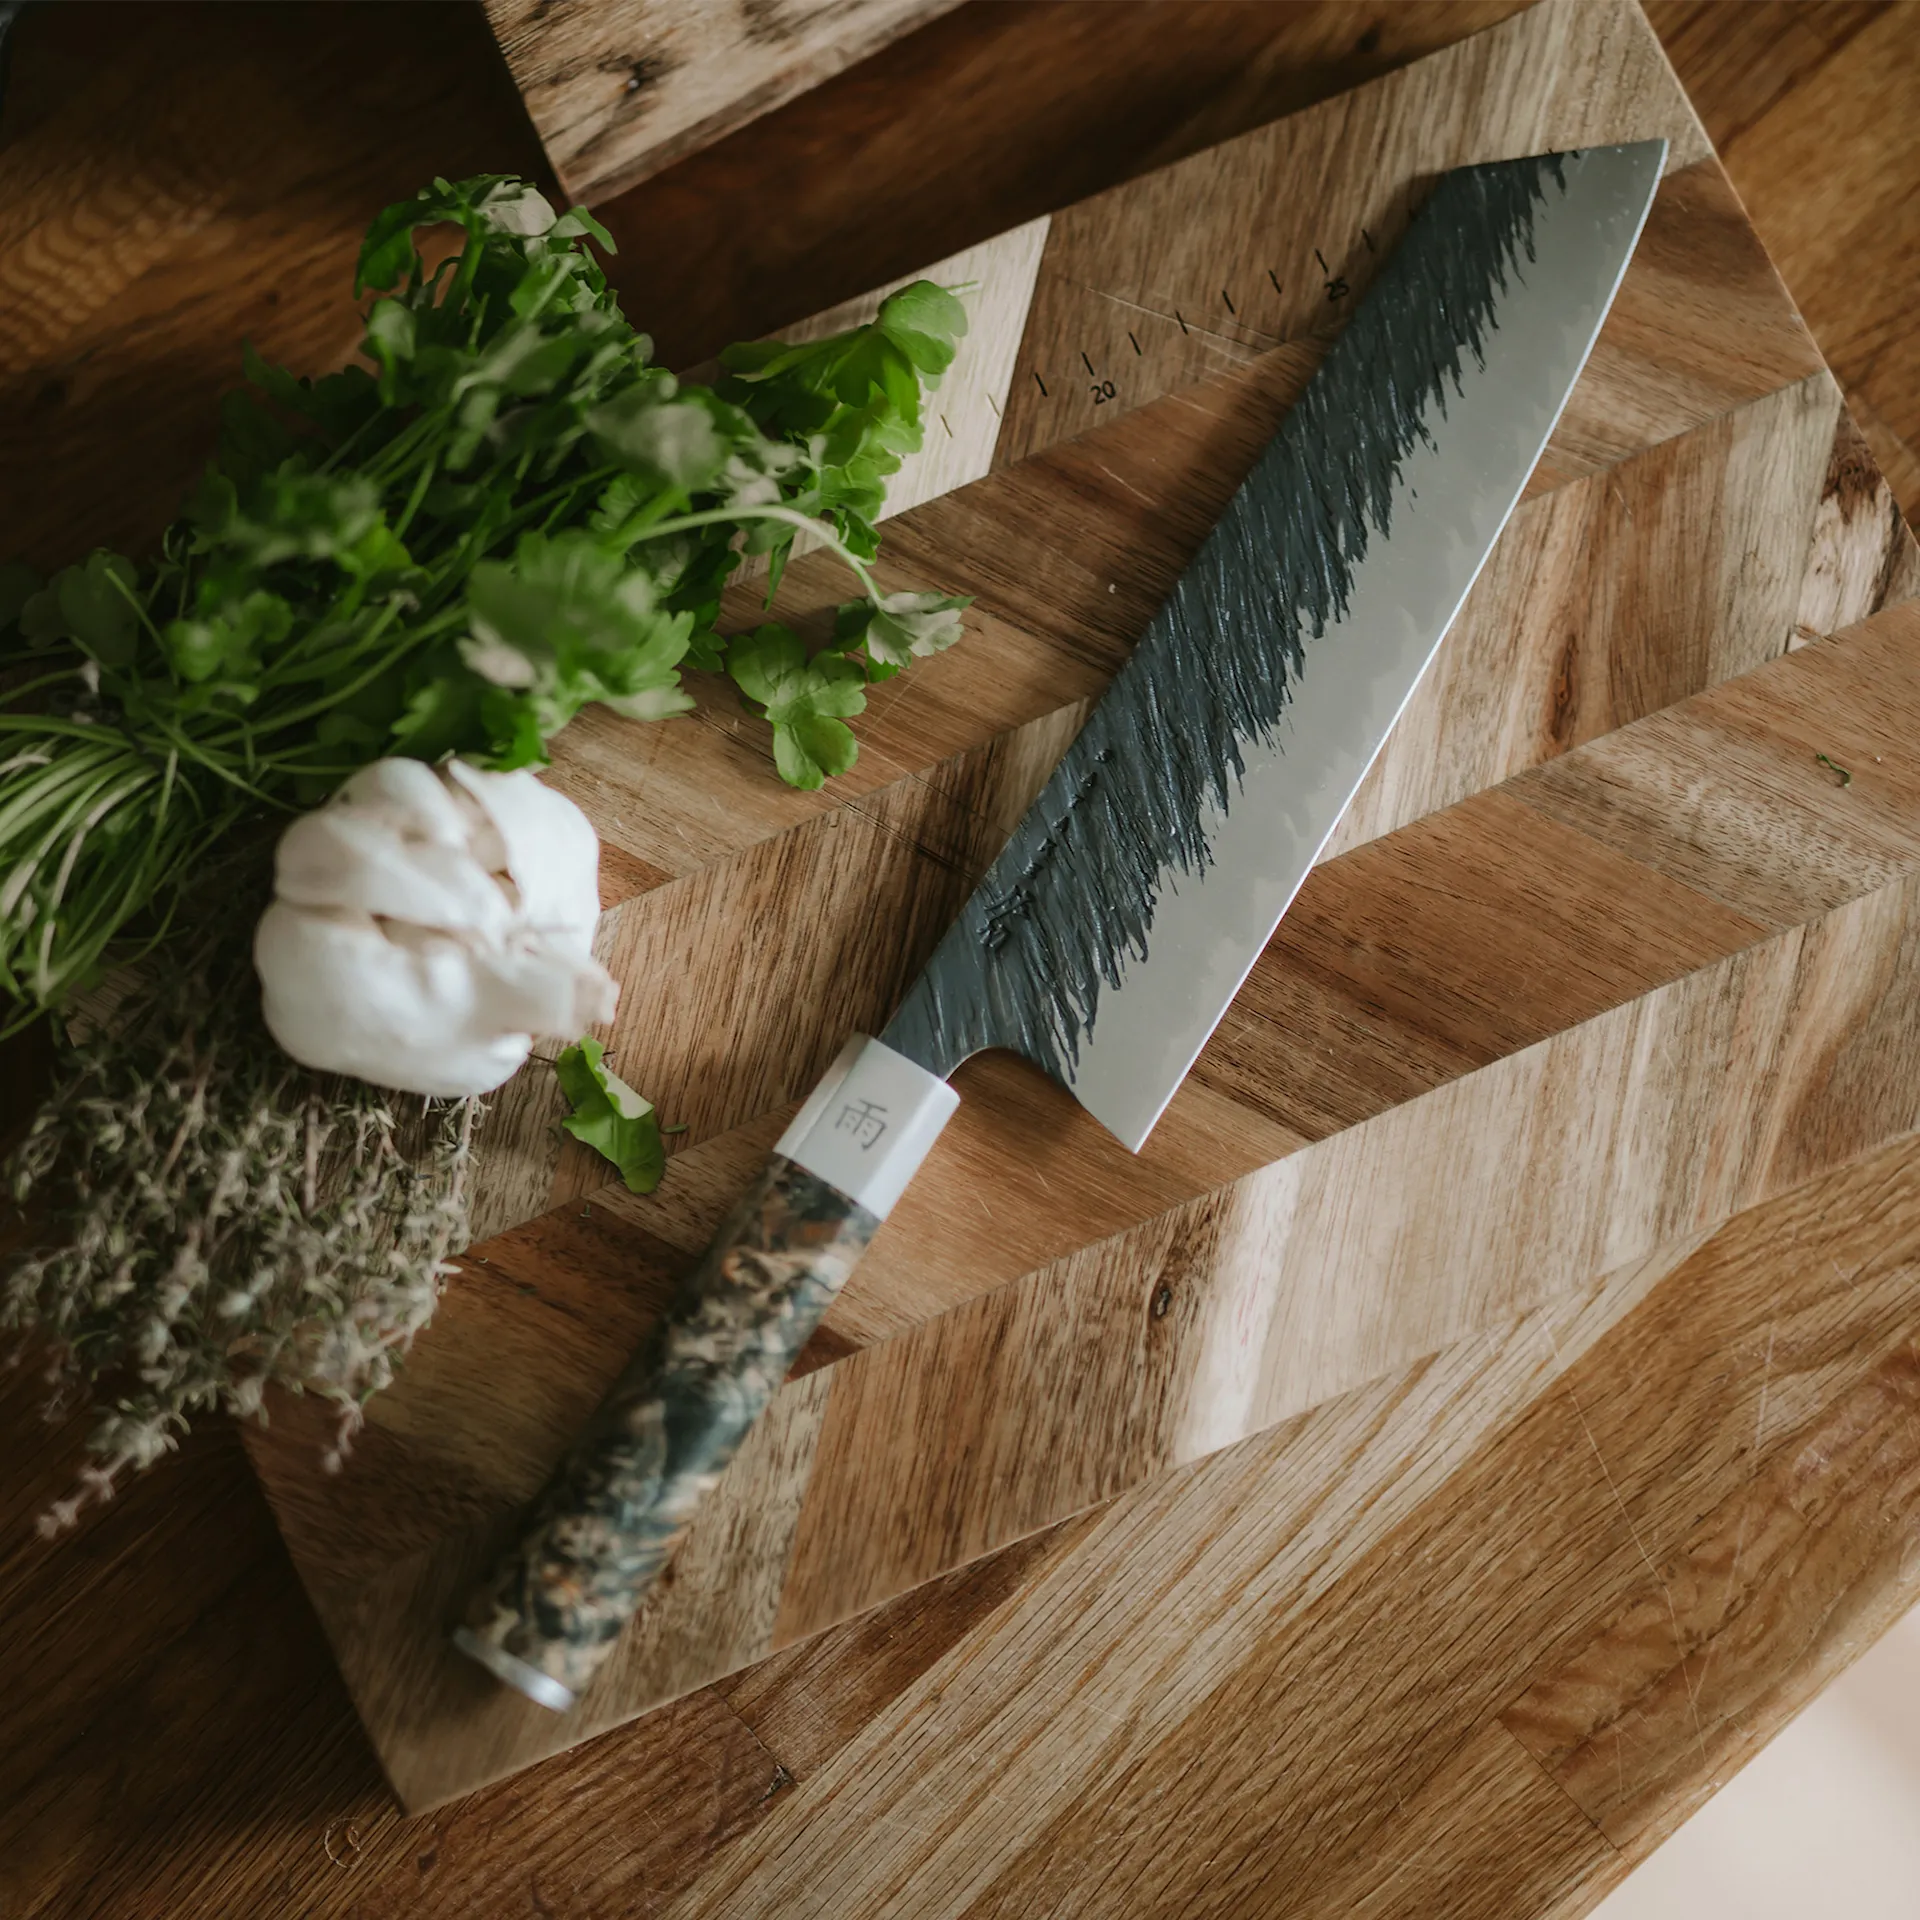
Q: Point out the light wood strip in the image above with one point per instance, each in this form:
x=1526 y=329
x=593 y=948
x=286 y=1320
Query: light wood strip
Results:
x=622 y=88
x=1864 y=556
x=1137 y=293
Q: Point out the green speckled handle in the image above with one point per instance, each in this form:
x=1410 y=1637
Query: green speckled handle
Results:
x=611 y=1517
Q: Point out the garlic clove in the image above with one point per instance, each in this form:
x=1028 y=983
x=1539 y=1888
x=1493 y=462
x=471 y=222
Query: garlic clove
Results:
x=340 y=995
x=352 y=858
x=551 y=849
x=539 y=984
x=409 y=794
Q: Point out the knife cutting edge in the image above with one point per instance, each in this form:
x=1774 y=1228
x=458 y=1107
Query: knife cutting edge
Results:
x=1114 y=929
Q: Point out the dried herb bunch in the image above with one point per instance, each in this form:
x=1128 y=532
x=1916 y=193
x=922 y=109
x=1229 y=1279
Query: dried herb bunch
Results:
x=215 y=1218
x=507 y=512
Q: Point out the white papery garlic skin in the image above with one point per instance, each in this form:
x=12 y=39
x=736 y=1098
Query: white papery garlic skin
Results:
x=428 y=923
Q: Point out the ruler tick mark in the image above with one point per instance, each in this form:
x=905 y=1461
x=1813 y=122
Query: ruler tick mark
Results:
x=1275 y=278
x=1136 y=343
x=1183 y=324
x=1228 y=298
x=1088 y=364
x=1041 y=384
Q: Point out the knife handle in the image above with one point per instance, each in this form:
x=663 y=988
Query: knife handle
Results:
x=610 y=1518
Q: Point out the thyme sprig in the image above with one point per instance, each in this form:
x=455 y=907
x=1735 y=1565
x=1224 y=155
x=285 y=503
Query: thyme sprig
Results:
x=213 y=1219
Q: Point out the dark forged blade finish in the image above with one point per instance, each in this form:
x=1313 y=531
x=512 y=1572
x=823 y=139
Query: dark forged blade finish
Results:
x=1109 y=937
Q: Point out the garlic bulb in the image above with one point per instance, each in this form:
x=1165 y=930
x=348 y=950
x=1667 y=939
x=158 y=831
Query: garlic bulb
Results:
x=427 y=923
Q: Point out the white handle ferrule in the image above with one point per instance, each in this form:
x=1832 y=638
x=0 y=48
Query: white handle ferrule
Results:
x=868 y=1125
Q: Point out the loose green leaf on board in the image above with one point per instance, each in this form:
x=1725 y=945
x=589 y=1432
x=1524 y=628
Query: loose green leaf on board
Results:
x=610 y=1117
x=808 y=701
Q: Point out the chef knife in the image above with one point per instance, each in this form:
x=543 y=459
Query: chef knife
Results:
x=1108 y=938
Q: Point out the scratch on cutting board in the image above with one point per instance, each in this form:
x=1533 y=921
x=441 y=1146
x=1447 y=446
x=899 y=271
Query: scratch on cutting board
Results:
x=1640 y=1546
x=1188 y=326
x=1119 y=481
x=907 y=838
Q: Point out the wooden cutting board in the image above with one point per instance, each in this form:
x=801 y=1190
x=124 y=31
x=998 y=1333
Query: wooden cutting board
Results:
x=1605 y=954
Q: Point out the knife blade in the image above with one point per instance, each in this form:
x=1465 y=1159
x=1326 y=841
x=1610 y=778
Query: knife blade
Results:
x=1113 y=930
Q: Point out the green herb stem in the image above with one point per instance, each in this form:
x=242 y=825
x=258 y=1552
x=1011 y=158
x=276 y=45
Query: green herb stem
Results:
x=734 y=516
x=506 y=464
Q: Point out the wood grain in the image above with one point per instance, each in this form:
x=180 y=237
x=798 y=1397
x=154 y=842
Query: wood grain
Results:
x=1200 y=266
x=618 y=91
x=1787 y=164
x=1049 y=1760
x=1601 y=914
x=1693 y=1008
x=178 y=1739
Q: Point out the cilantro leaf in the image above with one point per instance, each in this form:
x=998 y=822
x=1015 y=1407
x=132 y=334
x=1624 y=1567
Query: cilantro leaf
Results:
x=387 y=253
x=898 y=628
x=926 y=322
x=610 y=1117
x=230 y=642
x=515 y=207
x=672 y=442
x=391 y=338
x=807 y=701
x=566 y=622
x=94 y=604
x=852 y=402
x=441 y=714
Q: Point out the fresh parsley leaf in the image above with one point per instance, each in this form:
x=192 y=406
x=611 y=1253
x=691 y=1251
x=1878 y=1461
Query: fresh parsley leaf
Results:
x=387 y=254
x=565 y=622
x=670 y=442
x=853 y=402
x=95 y=605
x=926 y=322
x=506 y=511
x=808 y=702
x=898 y=628
x=441 y=714
x=229 y=645
x=391 y=339
x=610 y=1117
x=514 y=207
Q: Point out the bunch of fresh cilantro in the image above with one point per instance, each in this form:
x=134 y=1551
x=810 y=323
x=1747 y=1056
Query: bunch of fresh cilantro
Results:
x=507 y=513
